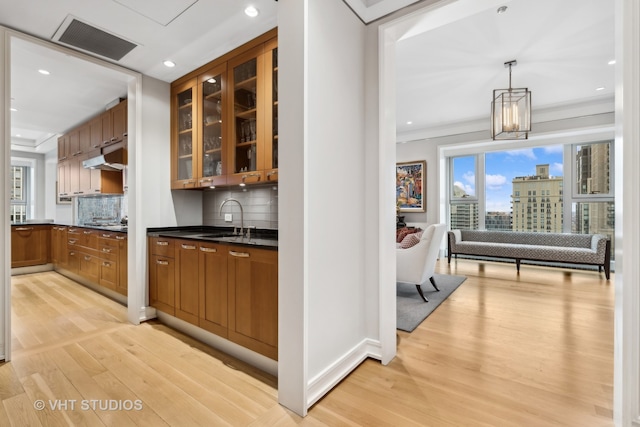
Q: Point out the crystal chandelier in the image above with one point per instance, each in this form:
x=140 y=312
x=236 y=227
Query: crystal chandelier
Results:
x=511 y=111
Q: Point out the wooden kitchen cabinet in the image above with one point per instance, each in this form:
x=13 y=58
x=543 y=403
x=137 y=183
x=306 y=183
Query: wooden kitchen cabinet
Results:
x=59 y=245
x=105 y=132
x=30 y=245
x=162 y=274
x=229 y=290
x=224 y=119
x=123 y=264
x=253 y=299
x=114 y=124
x=184 y=135
x=213 y=295
x=111 y=248
x=186 y=298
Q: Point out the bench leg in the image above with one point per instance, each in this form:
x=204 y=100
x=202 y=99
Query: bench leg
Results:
x=518 y=265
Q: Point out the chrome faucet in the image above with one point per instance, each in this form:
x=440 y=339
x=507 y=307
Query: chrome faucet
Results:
x=241 y=213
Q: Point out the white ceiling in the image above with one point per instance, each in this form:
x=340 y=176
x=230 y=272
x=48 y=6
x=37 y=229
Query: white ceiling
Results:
x=447 y=75
x=444 y=76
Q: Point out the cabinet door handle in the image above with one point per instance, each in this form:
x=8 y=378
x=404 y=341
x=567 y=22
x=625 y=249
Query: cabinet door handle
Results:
x=87 y=232
x=162 y=262
x=87 y=258
x=114 y=139
x=107 y=250
x=107 y=235
x=72 y=253
x=251 y=175
x=72 y=241
x=162 y=243
x=106 y=264
x=274 y=172
x=204 y=249
x=188 y=246
x=120 y=237
x=125 y=134
x=239 y=254
x=24 y=228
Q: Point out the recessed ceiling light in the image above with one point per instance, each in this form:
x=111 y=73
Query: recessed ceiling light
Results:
x=613 y=61
x=501 y=10
x=44 y=72
x=211 y=80
x=18 y=135
x=13 y=109
x=600 y=88
x=251 y=11
x=169 y=63
x=409 y=122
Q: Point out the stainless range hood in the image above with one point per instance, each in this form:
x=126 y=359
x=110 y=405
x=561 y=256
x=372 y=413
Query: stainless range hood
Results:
x=113 y=161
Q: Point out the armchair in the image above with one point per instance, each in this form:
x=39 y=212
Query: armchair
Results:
x=417 y=264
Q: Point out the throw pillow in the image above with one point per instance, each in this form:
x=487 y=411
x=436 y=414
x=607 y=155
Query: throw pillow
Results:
x=410 y=240
x=401 y=233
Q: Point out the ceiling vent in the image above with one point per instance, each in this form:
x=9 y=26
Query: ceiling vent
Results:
x=78 y=34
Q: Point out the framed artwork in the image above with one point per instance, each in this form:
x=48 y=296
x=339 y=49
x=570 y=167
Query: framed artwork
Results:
x=410 y=186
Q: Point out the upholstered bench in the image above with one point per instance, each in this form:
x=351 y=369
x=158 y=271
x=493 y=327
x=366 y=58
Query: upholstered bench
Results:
x=592 y=249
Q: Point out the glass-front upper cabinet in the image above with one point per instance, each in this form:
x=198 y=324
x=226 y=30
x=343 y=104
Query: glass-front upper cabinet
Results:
x=272 y=113
x=183 y=168
x=212 y=167
x=247 y=123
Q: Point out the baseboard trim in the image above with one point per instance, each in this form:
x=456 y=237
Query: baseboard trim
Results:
x=244 y=354
x=322 y=383
x=16 y=271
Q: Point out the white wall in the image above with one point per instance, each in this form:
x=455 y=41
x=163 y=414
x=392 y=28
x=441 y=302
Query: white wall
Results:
x=322 y=198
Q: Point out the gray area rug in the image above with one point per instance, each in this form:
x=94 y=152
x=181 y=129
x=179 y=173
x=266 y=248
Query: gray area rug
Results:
x=411 y=310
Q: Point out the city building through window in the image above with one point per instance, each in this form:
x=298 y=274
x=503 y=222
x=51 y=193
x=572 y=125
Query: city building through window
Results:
x=550 y=189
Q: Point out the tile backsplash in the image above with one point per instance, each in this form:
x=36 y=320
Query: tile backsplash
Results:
x=101 y=209
x=260 y=206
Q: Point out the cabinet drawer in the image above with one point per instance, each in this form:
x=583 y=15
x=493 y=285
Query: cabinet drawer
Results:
x=162 y=246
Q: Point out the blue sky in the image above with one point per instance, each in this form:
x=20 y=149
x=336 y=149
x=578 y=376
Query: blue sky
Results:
x=501 y=167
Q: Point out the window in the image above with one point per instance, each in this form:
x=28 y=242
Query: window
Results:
x=19 y=193
x=463 y=210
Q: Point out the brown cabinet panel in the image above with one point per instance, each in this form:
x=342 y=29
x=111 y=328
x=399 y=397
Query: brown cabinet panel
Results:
x=162 y=274
x=30 y=245
x=123 y=264
x=253 y=299
x=162 y=283
x=213 y=288
x=187 y=281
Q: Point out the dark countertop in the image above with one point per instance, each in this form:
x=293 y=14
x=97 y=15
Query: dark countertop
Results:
x=115 y=228
x=263 y=238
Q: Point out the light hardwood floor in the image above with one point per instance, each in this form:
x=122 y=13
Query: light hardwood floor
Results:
x=534 y=349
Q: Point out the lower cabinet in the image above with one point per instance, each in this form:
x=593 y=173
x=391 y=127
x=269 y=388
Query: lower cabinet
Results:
x=59 y=245
x=162 y=274
x=253 y=299
x=30 y=245
x=96 y=255
x=212 y=280
x=229 y=290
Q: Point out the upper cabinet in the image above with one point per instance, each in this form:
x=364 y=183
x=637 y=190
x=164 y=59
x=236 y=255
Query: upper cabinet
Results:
x=224 y=119
x=183 y=133
x=102 y=134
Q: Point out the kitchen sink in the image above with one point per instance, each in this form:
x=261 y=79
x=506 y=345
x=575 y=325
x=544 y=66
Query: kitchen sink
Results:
x=218 y=235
